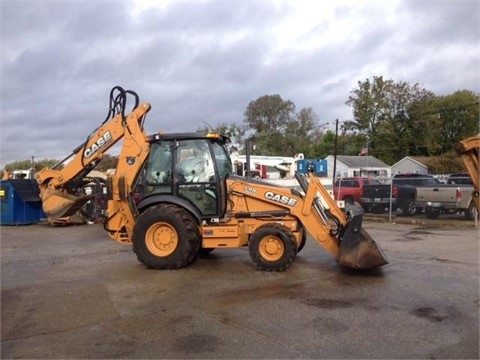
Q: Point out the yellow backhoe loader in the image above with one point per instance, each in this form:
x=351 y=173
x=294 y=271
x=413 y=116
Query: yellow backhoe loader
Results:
x=190 y=202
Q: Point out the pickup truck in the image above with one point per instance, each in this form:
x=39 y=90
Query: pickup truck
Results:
x=349 y=189
x=400 y=193
x=453 y=197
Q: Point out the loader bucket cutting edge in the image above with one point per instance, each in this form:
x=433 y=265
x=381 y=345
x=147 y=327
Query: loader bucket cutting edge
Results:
x=59 y=204
x=357 y=248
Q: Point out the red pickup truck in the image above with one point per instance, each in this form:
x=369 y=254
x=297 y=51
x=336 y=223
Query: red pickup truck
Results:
x=349 y=189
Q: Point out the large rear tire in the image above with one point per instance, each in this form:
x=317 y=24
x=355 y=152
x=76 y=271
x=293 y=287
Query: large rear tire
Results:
x=272 y=247
x=166 y=237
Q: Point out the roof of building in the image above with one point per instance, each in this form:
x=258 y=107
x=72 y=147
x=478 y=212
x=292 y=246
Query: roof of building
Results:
x=424 y=161
x=362 y=161
x=430 y=162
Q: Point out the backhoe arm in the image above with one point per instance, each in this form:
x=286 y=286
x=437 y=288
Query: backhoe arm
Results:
x=55 y=184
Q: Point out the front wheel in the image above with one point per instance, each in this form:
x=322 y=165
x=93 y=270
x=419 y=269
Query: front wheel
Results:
x=272 y=247
x=166 y=237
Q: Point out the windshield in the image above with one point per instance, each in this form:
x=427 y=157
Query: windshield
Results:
x=224 y=163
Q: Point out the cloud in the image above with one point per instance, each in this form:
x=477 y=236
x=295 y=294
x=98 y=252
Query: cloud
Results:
x=204 y=61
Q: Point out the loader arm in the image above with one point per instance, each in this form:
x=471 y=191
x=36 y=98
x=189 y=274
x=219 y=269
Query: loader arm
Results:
x=340 y=234
x=469 y=150
x=55 y=183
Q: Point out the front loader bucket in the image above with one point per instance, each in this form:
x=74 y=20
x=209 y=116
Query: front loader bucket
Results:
x=357 y=248
x=58 y=204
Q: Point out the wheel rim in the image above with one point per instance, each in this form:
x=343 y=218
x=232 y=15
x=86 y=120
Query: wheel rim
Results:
x=161 y=239
x=271 y=248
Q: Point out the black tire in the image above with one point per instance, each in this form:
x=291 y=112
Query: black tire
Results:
x=272 y=247
x=166 y=237
x=471 y=212
x=432 y=214
x=348 y=200
x=408 y=207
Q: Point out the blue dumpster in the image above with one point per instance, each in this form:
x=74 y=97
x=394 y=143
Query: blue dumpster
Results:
x=20 y=202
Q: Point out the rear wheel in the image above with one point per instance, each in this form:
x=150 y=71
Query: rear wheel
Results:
x=432 y=214
x=409 y=208
x=273 y=247
x=471 y=212
x=166 y=237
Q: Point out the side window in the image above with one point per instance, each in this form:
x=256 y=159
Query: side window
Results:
x=158 y=170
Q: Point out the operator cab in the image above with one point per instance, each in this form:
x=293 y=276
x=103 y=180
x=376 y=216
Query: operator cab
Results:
x=189 y=169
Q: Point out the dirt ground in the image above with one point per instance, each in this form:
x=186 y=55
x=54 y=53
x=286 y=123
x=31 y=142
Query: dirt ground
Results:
x=72 y=293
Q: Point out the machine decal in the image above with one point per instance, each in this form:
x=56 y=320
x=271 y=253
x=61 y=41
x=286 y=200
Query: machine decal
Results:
x=282 y=199
x=249 y=190
x=97 y=145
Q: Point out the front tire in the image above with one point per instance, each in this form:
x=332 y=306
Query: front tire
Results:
x=272 y=247
x=166 y=237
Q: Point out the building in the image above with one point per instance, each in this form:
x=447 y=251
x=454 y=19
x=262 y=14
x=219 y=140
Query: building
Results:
x=412 y=165
x=365 y=166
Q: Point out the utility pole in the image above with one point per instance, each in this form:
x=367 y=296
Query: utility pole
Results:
x=335 y=152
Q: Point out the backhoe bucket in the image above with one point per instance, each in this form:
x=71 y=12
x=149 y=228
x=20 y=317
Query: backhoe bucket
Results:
x=357 y=248
x=57 y=204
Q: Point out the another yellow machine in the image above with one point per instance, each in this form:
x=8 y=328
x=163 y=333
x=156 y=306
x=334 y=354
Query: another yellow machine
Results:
x=173 y=196
x=469 y=150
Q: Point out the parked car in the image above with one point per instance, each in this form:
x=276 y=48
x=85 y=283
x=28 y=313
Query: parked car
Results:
x=400 y=193
x=453 y=197
x=349 y=189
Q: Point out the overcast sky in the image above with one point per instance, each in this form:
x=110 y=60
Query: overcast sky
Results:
x=201 y=62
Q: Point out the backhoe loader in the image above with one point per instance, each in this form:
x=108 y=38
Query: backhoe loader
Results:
x=191 y=203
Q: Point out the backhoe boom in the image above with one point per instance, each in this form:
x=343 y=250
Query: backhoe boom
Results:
x=55 y=184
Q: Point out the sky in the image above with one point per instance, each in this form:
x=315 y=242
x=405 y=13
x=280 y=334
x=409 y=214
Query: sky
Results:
x=203 y=62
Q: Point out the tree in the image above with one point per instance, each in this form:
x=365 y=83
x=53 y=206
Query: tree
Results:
x=269 y=117
x=235 y=132
x=108 y=162
x=27 y=164
x=453 y=118
x=386 y=113
x=279 y=130
x=269 y=113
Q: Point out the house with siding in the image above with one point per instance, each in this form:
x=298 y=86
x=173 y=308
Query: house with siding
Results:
x=411 y=165
x=365 y=166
